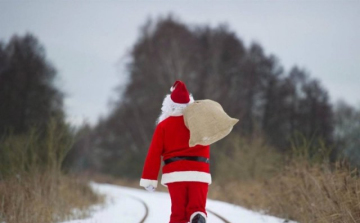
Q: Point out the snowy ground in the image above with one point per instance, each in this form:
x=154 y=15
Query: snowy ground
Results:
x=127 y=205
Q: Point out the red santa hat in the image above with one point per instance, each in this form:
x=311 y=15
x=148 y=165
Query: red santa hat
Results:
x=179 y=93
x=176 y=102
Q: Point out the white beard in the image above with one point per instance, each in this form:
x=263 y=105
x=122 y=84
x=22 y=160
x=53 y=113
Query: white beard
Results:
x=170 y=108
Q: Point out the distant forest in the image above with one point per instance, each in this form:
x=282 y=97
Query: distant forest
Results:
x=280 y=106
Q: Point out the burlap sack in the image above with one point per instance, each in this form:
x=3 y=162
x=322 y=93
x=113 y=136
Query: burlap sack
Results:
x=207 y=122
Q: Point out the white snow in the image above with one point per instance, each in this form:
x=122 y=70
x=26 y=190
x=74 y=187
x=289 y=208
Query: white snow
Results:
x=124 y=205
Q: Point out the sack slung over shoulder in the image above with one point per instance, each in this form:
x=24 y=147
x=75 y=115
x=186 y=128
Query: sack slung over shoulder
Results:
x=207 y=122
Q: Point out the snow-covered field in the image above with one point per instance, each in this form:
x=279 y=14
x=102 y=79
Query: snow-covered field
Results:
x=128 y=205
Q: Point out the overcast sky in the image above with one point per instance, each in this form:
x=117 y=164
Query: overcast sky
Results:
x=87 y=41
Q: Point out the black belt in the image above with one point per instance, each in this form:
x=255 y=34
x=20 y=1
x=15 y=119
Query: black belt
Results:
x=192 y=158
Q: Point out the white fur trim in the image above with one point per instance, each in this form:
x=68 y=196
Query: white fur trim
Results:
x=178 y=176
x=146 y=183
x=170 y=108
x=198 y=212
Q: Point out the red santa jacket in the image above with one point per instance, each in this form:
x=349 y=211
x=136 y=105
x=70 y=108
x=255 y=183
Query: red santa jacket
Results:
x=171 y=139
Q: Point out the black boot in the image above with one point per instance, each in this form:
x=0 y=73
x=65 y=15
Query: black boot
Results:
x=198 y=219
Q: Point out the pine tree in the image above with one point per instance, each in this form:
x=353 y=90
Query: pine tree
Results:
x=28 y=95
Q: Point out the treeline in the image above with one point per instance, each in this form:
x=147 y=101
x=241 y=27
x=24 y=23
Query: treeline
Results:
x=34 y=140
x=28 y=95
x=215 y=64
x=30 y=102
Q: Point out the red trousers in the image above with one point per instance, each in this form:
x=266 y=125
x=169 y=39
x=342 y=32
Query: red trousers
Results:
x=187 y=198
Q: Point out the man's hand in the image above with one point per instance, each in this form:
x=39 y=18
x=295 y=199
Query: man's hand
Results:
x=150 y=188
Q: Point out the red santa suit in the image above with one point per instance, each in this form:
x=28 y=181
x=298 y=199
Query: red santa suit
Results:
x=186 y=172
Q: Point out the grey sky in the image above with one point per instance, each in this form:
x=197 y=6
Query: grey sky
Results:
x=87 y=41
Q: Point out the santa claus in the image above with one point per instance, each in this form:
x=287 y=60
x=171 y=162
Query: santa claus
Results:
x=186 y=170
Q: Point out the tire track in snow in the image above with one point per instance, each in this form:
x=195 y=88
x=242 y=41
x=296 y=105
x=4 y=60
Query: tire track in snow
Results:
x=218 y=216
x=144 y=205
x=147 y=211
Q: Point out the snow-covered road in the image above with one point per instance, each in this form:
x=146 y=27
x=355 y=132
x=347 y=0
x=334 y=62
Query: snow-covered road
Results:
x=128 y=205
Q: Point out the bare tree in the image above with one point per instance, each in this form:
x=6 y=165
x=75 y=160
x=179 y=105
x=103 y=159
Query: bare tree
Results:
x=215 y=64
